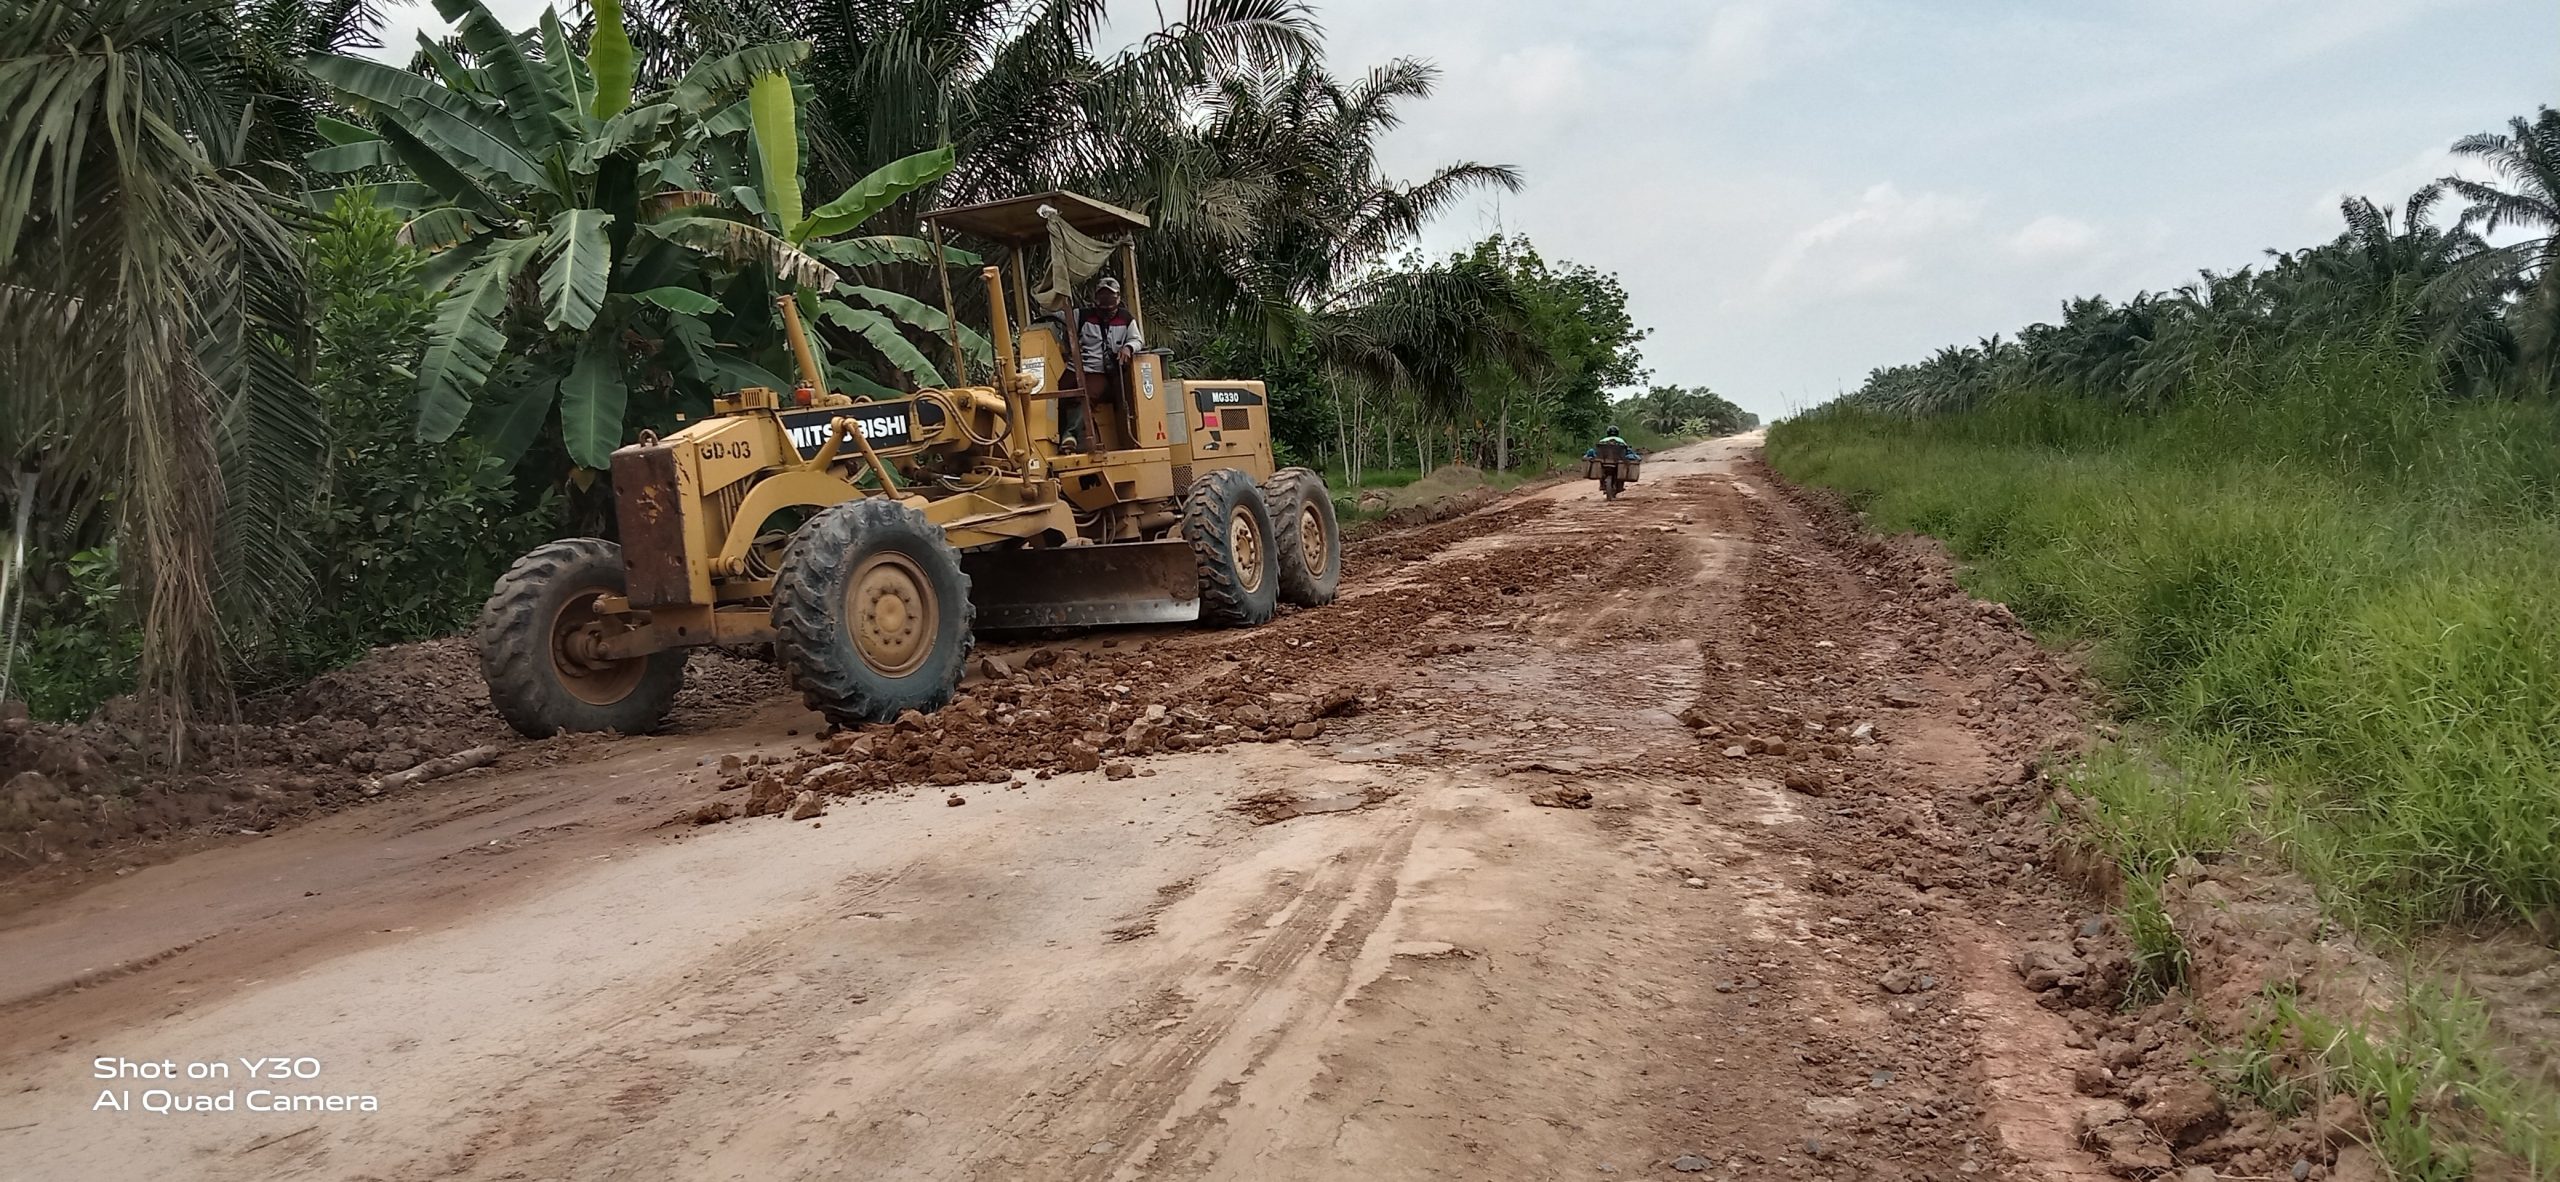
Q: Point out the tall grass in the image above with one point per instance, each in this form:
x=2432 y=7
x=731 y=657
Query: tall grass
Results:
x=2312 y=574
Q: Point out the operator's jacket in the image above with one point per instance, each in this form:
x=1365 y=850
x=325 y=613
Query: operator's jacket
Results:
x=1103 y=333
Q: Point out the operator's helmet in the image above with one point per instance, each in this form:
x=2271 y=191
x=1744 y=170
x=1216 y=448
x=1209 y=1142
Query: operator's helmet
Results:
x=1613 y=429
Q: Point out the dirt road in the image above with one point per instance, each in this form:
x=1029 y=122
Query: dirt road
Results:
x=1777 y=941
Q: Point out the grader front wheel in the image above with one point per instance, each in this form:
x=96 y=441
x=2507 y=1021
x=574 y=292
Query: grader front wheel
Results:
x=537 y=637
x=871 y=613
x=1229 y=528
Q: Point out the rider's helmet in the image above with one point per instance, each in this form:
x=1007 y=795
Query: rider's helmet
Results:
x=1613 y=429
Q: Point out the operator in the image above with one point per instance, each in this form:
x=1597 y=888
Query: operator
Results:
x=1109 y=338
x=1593 y=452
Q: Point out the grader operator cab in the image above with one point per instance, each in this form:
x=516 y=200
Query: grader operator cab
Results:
x=920 y=520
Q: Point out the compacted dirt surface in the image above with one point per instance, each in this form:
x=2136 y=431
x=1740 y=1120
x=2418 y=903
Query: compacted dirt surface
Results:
x=1685 y=836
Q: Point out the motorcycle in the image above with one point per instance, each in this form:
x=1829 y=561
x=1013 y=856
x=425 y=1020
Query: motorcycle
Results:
x=1615 y=466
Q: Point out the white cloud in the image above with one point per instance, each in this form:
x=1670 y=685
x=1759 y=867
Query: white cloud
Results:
x=1870 y=246
x=2053 y=237
x=1745 y=41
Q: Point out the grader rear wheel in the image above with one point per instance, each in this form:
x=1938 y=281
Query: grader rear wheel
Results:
x=1306 y=540
x=537 y=639
x=871 y=613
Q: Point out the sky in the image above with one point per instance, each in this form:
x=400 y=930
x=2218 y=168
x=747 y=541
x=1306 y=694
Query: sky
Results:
x=1796 y=192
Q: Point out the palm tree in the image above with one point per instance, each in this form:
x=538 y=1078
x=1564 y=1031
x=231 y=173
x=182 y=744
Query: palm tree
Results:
x=2525 y=197
x=1017 y=88
x=147 y=284
x=1275 y=198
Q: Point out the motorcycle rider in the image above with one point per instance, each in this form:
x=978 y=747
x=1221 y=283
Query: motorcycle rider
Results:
x=1593 y=452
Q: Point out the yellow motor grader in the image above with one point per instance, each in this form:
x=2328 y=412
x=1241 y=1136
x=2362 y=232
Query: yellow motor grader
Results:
x=868 y=541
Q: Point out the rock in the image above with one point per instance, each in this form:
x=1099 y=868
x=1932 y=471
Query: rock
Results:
x=955 y=800
x=1333 y=701
x=806 y=805
x=1735 y=753
x=2197 y=1174
x=1251 y=717
x=1120 y=770
x=2183 y=1111
x=1864 y=732
x=1306 y=730
x=1900 y=696
x=2090 y=1079
x=1808 y=782
x=1082 y=757
x=730 y=765
x=767 y=796
x=2355 y=1163
x=911 y=721
x=1689 y=1163
x=1904 y=980
x=1145 y=734
x=1562 y=798
x=715 y=811
x=2341 y=1120
x=2045 y=965
x=2126 y=1145
x=994 y=668
x=1040 y=658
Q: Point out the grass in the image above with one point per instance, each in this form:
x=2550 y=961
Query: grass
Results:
x=2435 y=1099
x=2333 y=588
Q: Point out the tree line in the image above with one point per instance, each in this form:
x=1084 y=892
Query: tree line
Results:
x=303 y=346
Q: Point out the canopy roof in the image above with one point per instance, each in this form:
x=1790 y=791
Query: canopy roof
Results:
x=1017 y=220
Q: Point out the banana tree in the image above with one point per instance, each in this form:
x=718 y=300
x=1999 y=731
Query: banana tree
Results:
x=593 y=242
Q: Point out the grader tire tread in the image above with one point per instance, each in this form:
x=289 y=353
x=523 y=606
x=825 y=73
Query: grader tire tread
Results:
x=812 y=643
x=1206 y=510
x=514 y=636
x=1283 y=494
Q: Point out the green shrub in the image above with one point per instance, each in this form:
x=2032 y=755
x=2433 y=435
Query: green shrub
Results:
x=408 y=535
x=78 y=646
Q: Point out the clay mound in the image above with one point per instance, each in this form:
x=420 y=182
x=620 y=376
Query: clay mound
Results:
x=432 y=683
x=1444 y=483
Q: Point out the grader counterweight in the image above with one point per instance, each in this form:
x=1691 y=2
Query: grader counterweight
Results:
x=868 y=542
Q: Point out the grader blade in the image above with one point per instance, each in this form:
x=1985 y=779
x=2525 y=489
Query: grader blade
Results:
x=1078 y=586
